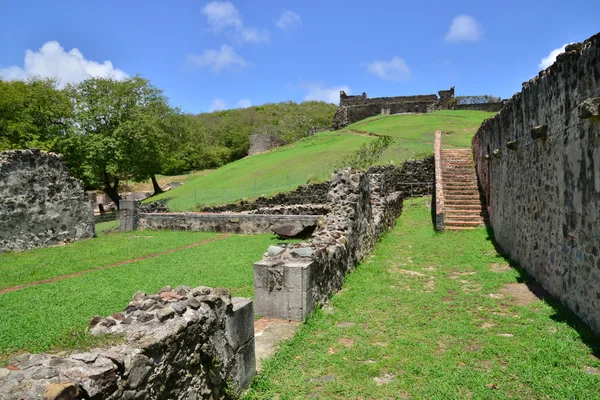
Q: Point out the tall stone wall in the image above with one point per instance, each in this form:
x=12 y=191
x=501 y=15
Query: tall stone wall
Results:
x=357 y=108
x=538 y=162
x=180 y=343
x=41 y=204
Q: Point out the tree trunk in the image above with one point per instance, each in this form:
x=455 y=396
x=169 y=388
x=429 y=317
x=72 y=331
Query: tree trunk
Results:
x=157 y=189
x=112 y=191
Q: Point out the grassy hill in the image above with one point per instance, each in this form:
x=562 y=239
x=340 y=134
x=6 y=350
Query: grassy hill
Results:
x=315 y=157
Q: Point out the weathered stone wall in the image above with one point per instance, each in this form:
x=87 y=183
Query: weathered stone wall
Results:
x=415 y=178
x=41 y=204
x=262 y=143
x=178 y=344
x=356 y=108
x=490 y=107
x=538 y=162
x=314 y=193
x=236 y=223
x=290 y=281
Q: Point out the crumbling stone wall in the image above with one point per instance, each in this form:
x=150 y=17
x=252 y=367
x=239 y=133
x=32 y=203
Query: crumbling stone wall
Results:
x=538 y=162
x=290 y=281
x=356 y=108
x=314 y=193
x=261 y=143
x=415 y=178
x=181 y=343
x=41 y=204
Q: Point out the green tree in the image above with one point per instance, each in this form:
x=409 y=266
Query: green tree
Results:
x=33 y=114
x=124 y=129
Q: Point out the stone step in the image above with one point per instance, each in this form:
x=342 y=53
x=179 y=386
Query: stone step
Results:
x=460 y=228
x=449 y=223
x=463 y=217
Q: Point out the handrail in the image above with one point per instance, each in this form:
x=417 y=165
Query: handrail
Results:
x=439 y=187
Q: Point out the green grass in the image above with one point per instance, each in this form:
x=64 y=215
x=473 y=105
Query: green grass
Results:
x=315 y=157
x=424 y=308
x=279 y=170
x=55 y=315
x=34 y=265
x=414 y=133
x=104 y=227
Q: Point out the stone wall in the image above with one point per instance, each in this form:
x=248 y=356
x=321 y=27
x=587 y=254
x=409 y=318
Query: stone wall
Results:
x=41 y=204
x=235 y=223
x=490 y=107
x=290 y=281
x=178 y=344
x=262 y=143
x=538 y=162
x=314 y=193
x=356 y=108
x=415 y=178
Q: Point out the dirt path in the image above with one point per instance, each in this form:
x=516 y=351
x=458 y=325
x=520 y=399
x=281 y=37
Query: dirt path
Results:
x=80 y=273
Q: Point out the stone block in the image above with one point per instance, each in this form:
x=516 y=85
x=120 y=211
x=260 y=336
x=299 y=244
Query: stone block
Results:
x=297 y=276
x=300 y=305
x=261 y=273
x=271 y=303
x=244 y=366
x=539 y=132
x=240 y=326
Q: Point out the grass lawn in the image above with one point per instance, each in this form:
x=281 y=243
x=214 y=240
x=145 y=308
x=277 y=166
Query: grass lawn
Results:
x=55 y=315
x=428 y=316
x=316 y=157
x=414 y=133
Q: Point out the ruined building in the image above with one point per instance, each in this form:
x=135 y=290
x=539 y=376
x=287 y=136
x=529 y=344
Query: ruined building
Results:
x=356 y=108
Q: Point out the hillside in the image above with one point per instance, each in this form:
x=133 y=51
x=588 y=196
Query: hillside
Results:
x=315 y=157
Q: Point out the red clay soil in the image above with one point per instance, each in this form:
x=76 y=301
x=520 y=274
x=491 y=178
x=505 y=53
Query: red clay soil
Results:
x=79 y=273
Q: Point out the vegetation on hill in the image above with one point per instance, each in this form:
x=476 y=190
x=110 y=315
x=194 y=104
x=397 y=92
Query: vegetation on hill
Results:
x=110 y=131
x=316 y=157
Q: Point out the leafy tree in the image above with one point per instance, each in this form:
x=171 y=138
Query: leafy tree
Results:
x=33 y=114
x=124 y=128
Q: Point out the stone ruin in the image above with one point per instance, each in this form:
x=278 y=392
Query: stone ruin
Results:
x=260 y=143
x=180 y=343
x=41 y=204
x=356 y=108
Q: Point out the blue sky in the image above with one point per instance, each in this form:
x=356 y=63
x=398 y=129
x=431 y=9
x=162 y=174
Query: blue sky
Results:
x=210 y=55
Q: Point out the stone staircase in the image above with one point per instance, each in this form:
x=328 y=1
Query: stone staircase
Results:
x=463 y=207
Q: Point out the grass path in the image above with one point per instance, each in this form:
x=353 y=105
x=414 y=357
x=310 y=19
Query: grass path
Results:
x=435 y=316
x=19 y=268
x=116 y=264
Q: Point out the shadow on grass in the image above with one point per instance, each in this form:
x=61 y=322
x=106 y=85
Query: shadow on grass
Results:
x=562 y=313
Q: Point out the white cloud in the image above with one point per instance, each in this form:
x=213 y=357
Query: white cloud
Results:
x=549 y=60
x=52 y=61
x=244 y=103
x=217 y=105
x=394 y=69
x=331 y=94
x=289 y=20
x=224 y=16
x=217 y=60
x=464 y=28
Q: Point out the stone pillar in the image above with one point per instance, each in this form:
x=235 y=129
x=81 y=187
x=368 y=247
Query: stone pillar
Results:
x=128 y=215
x=239 y=330
x=283 y=290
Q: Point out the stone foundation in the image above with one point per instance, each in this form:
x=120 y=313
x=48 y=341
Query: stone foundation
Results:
x=41 y=204
x=181 y=343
